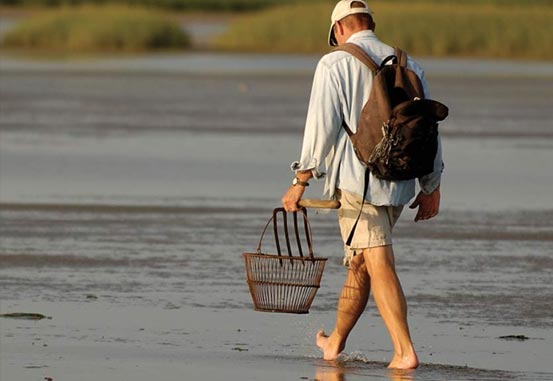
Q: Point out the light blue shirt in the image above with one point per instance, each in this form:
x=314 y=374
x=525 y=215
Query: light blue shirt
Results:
x=341 y=87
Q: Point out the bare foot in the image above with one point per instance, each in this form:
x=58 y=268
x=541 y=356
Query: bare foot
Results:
x=409 y=361
x=330 y=345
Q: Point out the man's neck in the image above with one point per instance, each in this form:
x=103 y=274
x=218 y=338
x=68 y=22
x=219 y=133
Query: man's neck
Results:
x=355 y=31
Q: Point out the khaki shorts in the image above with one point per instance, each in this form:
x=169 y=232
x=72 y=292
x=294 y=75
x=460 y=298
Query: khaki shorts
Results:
x=374 y=227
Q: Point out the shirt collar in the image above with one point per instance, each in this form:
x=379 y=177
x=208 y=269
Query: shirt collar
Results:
x=361 y=35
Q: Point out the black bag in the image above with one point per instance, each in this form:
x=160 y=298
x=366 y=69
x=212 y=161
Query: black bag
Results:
x=410 y=142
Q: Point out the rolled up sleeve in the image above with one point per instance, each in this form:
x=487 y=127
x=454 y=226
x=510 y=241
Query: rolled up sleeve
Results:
x=430 y=182
x=322 y=124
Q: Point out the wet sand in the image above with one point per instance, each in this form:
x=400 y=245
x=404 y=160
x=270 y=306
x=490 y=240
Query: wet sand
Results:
x=127 y=198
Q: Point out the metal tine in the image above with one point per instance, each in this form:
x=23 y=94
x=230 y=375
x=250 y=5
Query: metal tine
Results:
x=275 y=229
x=287 y=236
x=297 y=233
x=307 y=228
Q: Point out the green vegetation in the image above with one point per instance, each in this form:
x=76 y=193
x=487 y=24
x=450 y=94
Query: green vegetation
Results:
x=208 y=5
x=114 y=29
x=424 y=28
x=297 y=28
x=520 y=3
x=471 y=28
x=239 y=5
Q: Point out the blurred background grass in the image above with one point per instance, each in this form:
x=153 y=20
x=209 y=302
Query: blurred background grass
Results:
x=426 y=28
x=207 y=5
x=519 y=29
x=89 y=29
x=241 y=5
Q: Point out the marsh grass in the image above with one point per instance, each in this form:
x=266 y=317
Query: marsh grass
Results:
x=422 y=28
x=235 y=5
x=296 y=28
x=207 y=5
x=110 y=29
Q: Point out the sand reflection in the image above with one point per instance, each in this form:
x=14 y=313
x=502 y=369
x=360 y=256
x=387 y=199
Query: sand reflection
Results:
x=338 y=371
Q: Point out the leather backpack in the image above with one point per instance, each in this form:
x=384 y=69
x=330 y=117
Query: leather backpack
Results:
x=397 y=134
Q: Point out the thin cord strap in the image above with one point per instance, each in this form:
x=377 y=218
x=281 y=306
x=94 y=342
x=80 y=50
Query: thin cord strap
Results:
x=352 y=232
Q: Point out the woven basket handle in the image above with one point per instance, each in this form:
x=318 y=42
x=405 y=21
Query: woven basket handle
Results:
x=307 y=228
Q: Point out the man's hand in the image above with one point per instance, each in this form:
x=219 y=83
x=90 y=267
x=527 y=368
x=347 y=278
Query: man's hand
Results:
x=292 y=197
x=429 y=205
x=295 y=192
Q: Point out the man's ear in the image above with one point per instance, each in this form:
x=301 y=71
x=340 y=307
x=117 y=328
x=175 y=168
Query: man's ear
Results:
x=339 y=28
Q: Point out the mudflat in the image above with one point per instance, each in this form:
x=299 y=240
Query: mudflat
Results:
x=129 y=192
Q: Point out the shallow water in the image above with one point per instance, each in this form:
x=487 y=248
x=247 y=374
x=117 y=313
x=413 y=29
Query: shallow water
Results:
x=127 y=200
x=139 y=252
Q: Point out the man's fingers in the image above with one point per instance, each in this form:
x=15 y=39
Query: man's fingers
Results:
x=291 y=198
x=421 y=218
x=423 y=213
x=293 y=208
x=425 y=216
x=434 y=214
x=428 y=206
x=289 y=205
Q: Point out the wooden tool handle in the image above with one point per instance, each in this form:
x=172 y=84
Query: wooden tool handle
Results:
x=320 y=204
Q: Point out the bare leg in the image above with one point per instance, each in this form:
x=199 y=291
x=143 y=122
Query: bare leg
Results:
x=391 y=304
x=352 y=302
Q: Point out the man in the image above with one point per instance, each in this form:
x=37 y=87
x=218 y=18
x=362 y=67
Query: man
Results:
x=341 y=87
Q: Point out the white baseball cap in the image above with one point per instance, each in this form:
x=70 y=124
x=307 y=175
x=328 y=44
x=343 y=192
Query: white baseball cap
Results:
x=342 y=9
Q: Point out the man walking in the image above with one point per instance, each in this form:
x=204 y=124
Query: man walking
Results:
x=341 y=87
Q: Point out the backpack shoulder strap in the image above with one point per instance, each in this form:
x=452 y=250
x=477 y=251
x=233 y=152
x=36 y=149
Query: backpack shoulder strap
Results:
x=359 y=53
x=401 y=57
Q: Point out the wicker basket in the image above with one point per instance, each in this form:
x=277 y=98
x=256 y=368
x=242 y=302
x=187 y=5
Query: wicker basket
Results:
x=284 y=283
